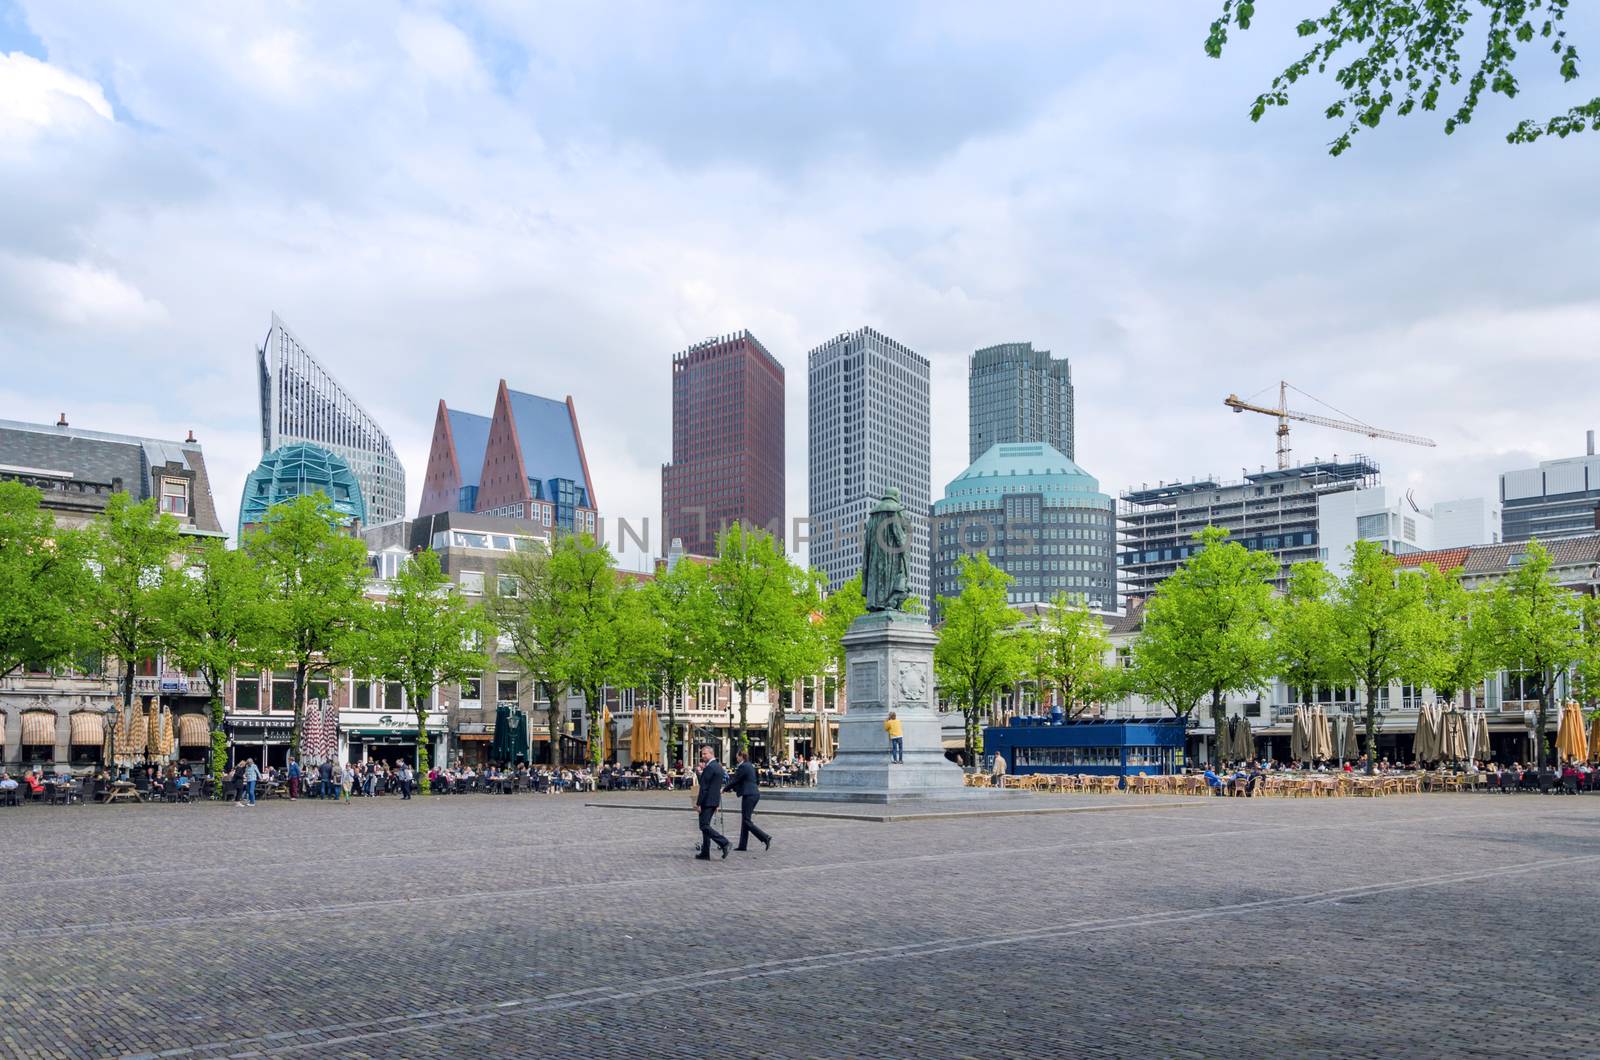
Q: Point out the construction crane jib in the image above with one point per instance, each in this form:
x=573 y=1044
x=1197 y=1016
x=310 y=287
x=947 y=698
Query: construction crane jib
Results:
x=1283 y=414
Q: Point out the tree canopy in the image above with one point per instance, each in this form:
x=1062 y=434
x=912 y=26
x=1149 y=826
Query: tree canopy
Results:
x=1400 y=56
x=978 y=650
x=424 y=635
x=1207 y=626
x=44 y=584
x=1379 y=626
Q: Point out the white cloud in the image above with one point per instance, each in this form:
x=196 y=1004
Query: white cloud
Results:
x=36 y=96
x=74 y=294
x=565 y=198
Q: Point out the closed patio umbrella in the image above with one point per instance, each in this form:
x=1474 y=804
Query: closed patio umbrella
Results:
x=1566 y=746
x=607 y=742
x=1298 y=744
x=1453 y=746
x=1483 y=751
x=1594 y=740
x=1424 y=748
x=1246 y=741
x=1352 y=747
x=1322 y=738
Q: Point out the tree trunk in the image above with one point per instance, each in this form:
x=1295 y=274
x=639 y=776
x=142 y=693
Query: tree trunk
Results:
x=300 y=669
x=1372 y=730
x=556 y=721
x=1219 y=723
x=744 y=717
x=971 y=714
x=1544 y=719
x=419 y=703
x=219 y=745
x=672 y=727
x=596 y=727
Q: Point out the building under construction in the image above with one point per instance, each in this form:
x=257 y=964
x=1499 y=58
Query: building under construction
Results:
x=1271 y=511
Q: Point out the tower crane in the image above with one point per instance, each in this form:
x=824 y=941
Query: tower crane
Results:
x=1284 y=414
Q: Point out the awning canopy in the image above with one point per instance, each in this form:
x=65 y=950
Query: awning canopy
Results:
x=38 y=728
x=88 y=729
x=471 y=737
x=193 y=730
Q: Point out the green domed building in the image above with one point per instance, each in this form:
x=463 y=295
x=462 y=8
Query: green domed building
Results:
x=297 y=470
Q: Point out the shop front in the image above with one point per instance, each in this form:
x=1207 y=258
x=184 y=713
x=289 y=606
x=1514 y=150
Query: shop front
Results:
x=390 y=739
x=264 y=738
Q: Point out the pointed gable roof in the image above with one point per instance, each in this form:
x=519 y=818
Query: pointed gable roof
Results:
x=470 y=433
x=548 y=437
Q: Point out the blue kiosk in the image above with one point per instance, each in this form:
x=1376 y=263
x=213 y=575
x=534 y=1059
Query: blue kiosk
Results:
x=1120 y=747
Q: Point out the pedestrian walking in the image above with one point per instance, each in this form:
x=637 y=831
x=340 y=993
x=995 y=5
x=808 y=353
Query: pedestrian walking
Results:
x=745 y=785
x=294 y=778
x=897 y=743
x=709 y=800
x=251 y=775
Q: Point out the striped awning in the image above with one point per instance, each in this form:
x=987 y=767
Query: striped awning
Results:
x=193 y=730
x=88 y=729
x=38 y=728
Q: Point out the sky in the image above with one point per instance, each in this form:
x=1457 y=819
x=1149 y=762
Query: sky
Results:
x=436 y=196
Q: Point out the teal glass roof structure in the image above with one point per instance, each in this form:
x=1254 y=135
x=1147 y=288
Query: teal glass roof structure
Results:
x=1021 y=468
x=297 y=470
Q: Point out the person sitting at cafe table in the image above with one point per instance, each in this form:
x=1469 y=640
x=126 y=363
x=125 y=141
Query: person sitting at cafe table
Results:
x=1213 y=781
x=7 y=781
x=35 y=784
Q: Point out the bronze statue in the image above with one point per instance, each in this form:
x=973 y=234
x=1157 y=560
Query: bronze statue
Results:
x=885 y=558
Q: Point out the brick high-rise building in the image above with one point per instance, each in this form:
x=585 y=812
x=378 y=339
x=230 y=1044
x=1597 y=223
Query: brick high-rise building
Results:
x=727 y=442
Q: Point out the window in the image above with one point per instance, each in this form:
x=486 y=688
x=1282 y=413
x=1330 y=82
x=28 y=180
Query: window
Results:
x=472 y=582
x=707 y=699
x=393 y=696
x=174 y=496
x=506 y=690
x=507 y=585
x=283 y=692
x=363 y=695
x=472 y=690
x=247 y=694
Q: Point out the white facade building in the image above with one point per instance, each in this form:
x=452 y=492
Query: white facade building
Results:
x=868 y=426
x=1463 y=523
x=302 y=402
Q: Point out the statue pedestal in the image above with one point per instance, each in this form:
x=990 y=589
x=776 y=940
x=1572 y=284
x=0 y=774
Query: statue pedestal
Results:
x=888 y=666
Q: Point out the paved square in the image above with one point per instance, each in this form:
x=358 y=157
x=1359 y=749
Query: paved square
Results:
x=538 y=926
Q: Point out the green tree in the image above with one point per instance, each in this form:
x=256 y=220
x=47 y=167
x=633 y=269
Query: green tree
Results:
x=1586 y=673
x=1379 y=621
x=214 y=621
x=131 y=546
x=1400 y=56
x=423 y=635
x=1214 y=614
x=316 y=580
x=599 y=654
x=1535 y=626
x=802 y=649
x=527 y=607
x=1458 y=651
x=1304 y=650
x=978 y=652
x=671 y=652
x=755 y=589
x=1070 y=655
x=45 y=584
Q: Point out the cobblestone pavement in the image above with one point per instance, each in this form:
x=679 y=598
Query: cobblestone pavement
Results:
x=537 y=926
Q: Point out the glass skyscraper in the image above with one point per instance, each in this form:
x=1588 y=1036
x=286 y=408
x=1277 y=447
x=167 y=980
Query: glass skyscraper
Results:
x=302 y=402
x=1017 y=395
x=868 y=426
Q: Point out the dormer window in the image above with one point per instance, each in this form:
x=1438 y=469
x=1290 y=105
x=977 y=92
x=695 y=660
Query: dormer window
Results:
x=175 y=496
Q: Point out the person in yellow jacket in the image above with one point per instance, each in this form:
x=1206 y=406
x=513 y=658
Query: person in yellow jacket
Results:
x=897 y=743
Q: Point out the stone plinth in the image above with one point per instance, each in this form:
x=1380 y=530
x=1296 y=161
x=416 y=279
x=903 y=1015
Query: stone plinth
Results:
x=888 y=666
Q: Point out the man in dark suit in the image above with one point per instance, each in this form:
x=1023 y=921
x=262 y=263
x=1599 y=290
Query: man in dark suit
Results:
x=745 y=785
x=708 y=801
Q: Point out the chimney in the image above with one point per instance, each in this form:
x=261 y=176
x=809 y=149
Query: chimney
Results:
x=62 y=422
x=190 y=439
x=1591 y=443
